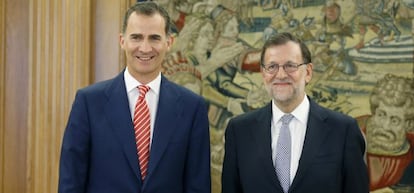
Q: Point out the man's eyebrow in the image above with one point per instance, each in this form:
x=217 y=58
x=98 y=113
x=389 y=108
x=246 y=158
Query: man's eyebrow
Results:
x=155 y=36
x=135 y=35
x=290 y=62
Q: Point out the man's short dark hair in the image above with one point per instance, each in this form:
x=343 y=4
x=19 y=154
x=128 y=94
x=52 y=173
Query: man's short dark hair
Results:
x=147 y=8
x=283 y=38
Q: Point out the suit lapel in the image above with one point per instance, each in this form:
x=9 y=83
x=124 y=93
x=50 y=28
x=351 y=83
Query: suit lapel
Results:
x=119 y=116
x=261 y=131
x=315 y=134
x=165 y=123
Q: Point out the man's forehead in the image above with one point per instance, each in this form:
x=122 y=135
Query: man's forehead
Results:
x=135 y=23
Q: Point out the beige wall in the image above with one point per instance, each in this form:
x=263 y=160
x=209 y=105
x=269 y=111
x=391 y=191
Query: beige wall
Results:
x=2 y=84
x=49 y=49
x=14 y=89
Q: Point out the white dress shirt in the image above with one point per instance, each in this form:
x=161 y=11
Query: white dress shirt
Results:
x=151 y=97
x=297 y=128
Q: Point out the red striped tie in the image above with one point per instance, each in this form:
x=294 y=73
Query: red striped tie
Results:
x=142 y=129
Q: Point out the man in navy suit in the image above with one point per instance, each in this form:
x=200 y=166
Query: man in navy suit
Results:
x=326 y=148
x=99 y=152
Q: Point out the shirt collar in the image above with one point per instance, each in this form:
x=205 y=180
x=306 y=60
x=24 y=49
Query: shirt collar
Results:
x=131 y=83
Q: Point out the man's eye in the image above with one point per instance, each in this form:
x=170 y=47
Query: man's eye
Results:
x=134 y=37
x=155 y=38
x=290 y=66
x=272 y=67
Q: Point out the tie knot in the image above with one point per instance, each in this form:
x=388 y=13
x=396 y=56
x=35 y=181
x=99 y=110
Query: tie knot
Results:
x=286 y=119
x=143 y=89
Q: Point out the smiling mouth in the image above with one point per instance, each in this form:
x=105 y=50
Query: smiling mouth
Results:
x=281 y=83
x=147 y=58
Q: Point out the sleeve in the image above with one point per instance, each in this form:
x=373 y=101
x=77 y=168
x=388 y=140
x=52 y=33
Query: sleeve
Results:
x=198 y=176
x=74 y=158
x=355 y=169
x=230 y=176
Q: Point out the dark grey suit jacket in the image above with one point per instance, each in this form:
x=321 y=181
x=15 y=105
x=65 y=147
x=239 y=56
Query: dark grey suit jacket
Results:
x=332 y=159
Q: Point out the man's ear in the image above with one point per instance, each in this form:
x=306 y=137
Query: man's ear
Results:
x=121 y=40
x=170 y=41
x=309 y=71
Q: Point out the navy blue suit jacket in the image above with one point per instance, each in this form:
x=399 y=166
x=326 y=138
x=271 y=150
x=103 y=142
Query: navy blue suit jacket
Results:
x=99 y=153
x=331 y=160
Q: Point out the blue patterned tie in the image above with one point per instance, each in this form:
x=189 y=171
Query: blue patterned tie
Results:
x=282 y=161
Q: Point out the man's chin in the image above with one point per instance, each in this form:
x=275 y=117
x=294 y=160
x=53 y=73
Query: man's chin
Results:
x=282 y=96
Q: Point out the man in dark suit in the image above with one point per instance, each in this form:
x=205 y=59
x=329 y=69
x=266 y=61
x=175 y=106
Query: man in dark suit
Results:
x=100 y=149
x=326 y=148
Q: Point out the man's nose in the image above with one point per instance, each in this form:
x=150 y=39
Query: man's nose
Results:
x=145 y=46
x=281 y=73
